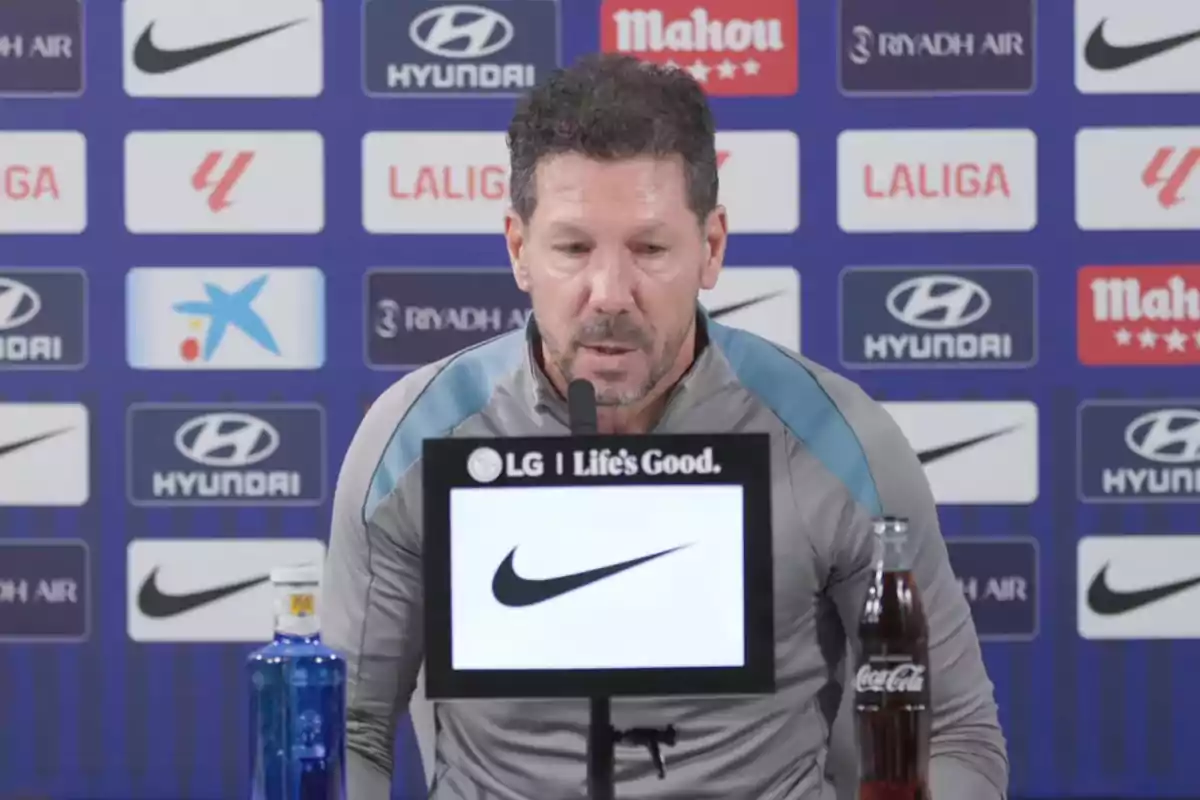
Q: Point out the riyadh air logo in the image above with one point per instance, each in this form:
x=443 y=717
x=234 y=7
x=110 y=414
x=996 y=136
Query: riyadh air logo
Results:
x=226 y=318
x=220 y=310
x=1132 y=451
x=249 y=454
x=909 y=318
x=461 y=31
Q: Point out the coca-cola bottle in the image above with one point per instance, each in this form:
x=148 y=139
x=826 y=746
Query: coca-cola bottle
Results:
x=891 y=683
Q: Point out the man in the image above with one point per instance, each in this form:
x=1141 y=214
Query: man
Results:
x=614 y=230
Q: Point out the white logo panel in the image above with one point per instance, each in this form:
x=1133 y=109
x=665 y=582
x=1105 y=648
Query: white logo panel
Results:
x=43 y=182
x=1144 y=47
x=974 y=453
x=208 y=590
x=762 y=300
x=224 y=182
x=937 y=180
x=223 y=48
x=760 y=180
x=45 y=454
x=1139 y=587
x=1137 y=179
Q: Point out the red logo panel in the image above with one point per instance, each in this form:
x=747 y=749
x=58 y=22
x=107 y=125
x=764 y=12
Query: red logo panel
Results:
x=1131 y=315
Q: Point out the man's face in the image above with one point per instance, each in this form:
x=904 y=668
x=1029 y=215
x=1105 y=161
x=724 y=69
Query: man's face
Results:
x=614 y=259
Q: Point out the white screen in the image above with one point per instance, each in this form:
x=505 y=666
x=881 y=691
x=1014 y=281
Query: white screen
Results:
x=681 y=610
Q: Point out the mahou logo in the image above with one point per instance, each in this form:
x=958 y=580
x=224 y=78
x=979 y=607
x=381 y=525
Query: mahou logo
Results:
x=1133 y=315
x=894 y=680
x=732 y=49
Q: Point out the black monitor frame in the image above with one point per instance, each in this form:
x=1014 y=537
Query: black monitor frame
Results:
x=745 y=461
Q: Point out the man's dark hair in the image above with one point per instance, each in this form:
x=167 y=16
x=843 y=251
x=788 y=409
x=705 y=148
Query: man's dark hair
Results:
x=612 y=107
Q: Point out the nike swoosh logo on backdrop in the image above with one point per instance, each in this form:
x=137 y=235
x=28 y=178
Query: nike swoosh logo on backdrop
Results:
x=151 y=59
x=1109 y=602
x=935 y=453
x=514 y=591
x=157 y=605
x=13 y=447
x=1102 y=55
x=724 y=311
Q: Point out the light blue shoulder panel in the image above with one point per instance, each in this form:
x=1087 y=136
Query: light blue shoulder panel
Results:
x=793 y=394
x=461 y=389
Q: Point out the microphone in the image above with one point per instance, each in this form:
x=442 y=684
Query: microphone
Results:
x=581 y=407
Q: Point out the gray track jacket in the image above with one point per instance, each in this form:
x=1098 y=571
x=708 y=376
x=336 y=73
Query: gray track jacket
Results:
x=838 y=460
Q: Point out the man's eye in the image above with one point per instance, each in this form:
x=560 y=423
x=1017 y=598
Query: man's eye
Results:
x=573 y=248
x=647 y=249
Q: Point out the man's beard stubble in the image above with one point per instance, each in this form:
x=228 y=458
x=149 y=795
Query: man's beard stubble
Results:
x=620 y=330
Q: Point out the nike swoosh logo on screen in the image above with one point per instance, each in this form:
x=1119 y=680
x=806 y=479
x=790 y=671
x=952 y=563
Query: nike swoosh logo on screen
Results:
x=1109 y=602
x=724 y=311
x=13 y=447
x=514 y=591
x=935 y=453
x=151 y=59
x=157 y=605
x=1102 y=55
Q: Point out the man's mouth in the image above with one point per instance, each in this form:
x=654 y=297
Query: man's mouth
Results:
x=609 y=349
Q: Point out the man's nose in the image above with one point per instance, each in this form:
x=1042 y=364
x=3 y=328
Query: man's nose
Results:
x=611 y=284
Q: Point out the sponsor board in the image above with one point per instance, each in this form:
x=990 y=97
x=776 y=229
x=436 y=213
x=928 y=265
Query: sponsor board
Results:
x=238 y=454
x=938 y=317
x=224 y=182
x=45 y=591
x=223 y=48
x=1138 y=587
x=417 y=316
x=1154 y=171
x=999 y=578
x=482 y=48
x=1139 y=315
x=44 y=454
x=974 y=452
x=1139 y=451
x=762 y=300
x=750 y=48
x=931 y=47
x=41 y=48
x=43 y=319
x=208 y=590
x=1148 y=47
x=183 y=318
x=937 y=180
x=43 y=182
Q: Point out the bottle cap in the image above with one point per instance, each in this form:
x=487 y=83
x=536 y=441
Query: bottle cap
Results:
x=296 y=574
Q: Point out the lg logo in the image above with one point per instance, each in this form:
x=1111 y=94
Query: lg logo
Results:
x=461 y=31
x=1167 y=436
x=18 y=304
x=938 y=302
x=485 y=465
x=228 y=440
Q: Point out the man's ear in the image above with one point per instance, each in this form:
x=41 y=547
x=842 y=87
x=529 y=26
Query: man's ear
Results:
x=716 y=237
x=514 y=237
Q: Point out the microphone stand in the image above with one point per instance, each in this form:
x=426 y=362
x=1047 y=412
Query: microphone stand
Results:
x=581 y=407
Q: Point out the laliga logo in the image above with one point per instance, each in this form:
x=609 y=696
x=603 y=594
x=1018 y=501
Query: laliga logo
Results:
x=938 y=302
x=1168 y=436
x=901 y=678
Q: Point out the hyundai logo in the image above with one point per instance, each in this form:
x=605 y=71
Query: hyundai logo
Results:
x=226 y=440
x=938 y=302
x=1168 y=436
x=18 y=304
x=461 y=31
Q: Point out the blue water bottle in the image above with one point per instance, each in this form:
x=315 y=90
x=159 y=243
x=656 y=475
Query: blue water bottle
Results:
x=297 y=700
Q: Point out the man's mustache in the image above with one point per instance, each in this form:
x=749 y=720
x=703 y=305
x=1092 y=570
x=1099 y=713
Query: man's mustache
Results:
x=619 y=330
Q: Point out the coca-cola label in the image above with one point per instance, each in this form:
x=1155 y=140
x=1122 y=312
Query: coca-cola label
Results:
x=891 y=678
